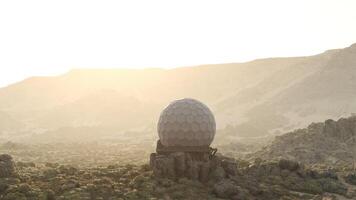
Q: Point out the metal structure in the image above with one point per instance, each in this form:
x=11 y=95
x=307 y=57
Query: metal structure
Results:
x=186 y=124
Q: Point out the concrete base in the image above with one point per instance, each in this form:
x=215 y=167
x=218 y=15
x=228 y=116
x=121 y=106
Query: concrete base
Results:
x=192 y=165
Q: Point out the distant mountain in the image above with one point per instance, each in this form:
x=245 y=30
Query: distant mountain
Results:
x=332 y=143
x=8 y=124
x=256 y=98
x=316 y=88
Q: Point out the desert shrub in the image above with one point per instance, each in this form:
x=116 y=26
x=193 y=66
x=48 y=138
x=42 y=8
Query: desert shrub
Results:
x=332 y=186
x=288 y=165
x=351 y=178
x=50 y=173
x=14 y=196
x=311 y=186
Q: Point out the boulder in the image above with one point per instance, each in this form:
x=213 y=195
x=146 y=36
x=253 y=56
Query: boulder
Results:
x=218 y=174
x=227 y=189
x=7 y=166
x=230 y=166
x=288 y=165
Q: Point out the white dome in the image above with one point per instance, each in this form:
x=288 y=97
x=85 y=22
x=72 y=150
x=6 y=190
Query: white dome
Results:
x=186 y=122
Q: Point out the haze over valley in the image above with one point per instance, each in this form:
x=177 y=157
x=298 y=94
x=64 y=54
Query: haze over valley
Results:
x=255 y=99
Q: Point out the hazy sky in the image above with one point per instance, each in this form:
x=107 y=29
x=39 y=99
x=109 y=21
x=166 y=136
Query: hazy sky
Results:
x=51 y=37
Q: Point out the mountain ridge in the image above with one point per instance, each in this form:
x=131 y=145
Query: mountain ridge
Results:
x=261 y=97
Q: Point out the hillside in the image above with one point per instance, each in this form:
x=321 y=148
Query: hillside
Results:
x=332 y=143
x=256 y=98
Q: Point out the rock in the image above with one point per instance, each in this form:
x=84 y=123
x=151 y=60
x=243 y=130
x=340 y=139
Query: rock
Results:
x=284 y=173
x=7 y=166
x=313 y=174
x=243 y=194
x=330 y=143
x=288 y=165
x=226 y=189
x=351 y=178
x=3 y=186
x=165 y=182
x=330 y=128
x=70 y=184
x=238 y=197
x=49 y=173
x=215 y=161
x=137 y=181
x=218 y=174
x=257 y=161
x=50 y=195
x=24 y=188
x=69 y=170
x=5 y=157
x=230 y=166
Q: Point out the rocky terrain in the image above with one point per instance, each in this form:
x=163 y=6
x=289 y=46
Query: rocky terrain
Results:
x=258 y=180
x=332 y=143
x=80 y=154
x=311 y=163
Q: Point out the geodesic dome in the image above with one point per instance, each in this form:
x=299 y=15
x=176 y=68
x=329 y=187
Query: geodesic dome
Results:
x=186 y=122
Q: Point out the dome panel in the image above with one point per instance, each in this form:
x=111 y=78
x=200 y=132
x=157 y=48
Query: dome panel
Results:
x=186 y=122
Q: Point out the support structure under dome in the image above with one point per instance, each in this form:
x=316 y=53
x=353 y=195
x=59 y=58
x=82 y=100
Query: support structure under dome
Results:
x=186 y=129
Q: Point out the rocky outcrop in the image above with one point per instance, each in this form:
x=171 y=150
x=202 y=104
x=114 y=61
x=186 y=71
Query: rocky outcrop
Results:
x=259 y=180
x=7 y=166
x=227 y=178
x=331 y=143
x=227 y=188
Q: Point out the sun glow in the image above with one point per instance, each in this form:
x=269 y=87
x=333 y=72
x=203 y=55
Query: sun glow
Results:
x=51 y=37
